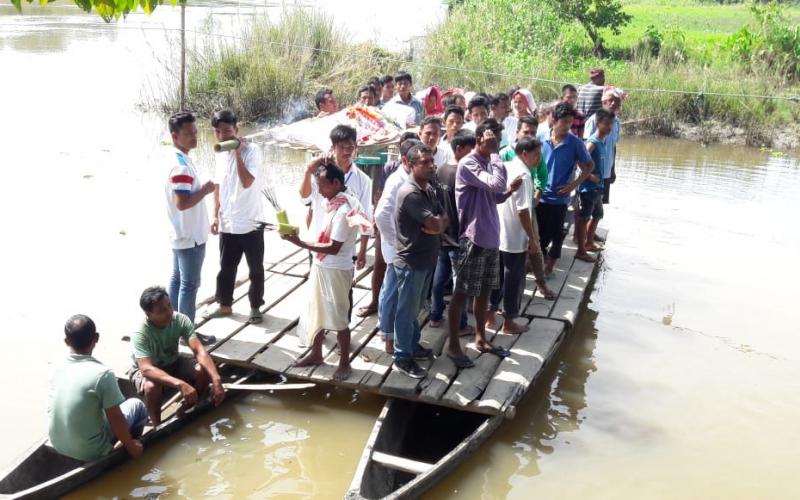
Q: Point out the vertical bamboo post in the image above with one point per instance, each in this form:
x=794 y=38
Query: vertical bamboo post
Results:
x=183 y=55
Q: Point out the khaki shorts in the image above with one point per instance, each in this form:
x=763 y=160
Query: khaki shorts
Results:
x=183 y=368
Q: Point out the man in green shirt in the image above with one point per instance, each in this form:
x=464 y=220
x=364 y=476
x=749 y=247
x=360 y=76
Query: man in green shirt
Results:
x=87 y=412
x=156 y=362
x=526 y=127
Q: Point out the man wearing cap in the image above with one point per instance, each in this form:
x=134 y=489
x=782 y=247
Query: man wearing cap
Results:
x=590 y=95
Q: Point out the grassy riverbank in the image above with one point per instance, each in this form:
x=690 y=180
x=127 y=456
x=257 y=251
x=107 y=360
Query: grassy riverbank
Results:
x=673 y=46
x=683 y=45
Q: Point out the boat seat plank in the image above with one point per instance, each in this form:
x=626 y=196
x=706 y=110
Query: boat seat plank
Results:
x=400 y=463
x=516 y=373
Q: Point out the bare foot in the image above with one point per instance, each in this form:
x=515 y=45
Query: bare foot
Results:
x=585 y=257
x=435 y=323
x=466 y=331
x=367 y=310
x=512 y=328
x=491 y=319
x=310 y=359
x=389 y=345
x=341 y=373
x=545 y=291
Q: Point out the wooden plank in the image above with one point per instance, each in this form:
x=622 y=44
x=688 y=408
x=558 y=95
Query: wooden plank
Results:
x=370 y=366
x=275 y=288
x=281 y=354
x=516 y=373
x=361 y=330
x=573 y=292
x=469 y=384
x=400 y=463
x=556 y=283
x=442 y=373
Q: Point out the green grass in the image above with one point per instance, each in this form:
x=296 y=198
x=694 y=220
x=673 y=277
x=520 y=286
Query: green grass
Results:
x=705 y=25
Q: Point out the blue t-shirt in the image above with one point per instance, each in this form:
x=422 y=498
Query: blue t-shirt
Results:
x=600 y=157
x=561 y=162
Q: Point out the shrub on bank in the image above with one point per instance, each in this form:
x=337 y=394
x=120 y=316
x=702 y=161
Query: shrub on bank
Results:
x=274 y=70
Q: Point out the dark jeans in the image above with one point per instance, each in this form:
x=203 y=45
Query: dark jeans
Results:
x=512 y=284
x=231 y=248
x=448 y=259
x=551 y=227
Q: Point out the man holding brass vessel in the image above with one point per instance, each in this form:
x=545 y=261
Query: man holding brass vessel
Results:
x=238 y=208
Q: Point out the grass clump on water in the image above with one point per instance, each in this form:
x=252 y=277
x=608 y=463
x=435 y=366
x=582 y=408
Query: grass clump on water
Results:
x=275 y=67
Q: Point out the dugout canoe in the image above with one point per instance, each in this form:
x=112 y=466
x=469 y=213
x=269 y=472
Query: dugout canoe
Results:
x=415 y=445
x=43 y=473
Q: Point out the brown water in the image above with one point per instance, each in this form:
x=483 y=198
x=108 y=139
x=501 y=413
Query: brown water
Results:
x=680 y=381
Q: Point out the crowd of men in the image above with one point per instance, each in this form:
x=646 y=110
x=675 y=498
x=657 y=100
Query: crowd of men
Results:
x=476 y=200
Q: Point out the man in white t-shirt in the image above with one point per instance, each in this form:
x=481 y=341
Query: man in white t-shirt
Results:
x=356 y=182
x=238 y=209
x=517 y=238
x=429 y=133
x=188 y=216
x=331 y=275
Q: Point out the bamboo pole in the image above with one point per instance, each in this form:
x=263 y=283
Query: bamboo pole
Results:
x=183 y=55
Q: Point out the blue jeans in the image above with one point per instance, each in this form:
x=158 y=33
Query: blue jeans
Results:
x=448 y=258
x=135 y=413
x=186 y=267
x=411 y=287
x=387 y=301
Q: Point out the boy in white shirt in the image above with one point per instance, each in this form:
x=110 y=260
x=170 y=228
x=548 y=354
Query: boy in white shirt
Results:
x=517 y=238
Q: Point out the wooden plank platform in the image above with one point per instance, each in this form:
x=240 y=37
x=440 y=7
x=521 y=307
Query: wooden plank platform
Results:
x=493 y=386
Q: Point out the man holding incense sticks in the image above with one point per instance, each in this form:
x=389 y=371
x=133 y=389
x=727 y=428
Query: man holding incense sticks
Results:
x=238 y=209
x=331 y=277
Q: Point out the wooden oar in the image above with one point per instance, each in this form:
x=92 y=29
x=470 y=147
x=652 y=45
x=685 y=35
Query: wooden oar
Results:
x=267 y=387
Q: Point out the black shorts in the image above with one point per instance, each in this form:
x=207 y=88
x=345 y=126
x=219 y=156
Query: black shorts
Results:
x=591 y=205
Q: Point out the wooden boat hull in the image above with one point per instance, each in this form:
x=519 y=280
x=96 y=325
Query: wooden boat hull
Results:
x=43 y=473
x=413 y=446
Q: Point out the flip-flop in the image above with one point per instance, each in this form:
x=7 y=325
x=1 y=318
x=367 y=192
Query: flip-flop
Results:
x=215 y=314
x=255 y=317
x=461 y=361
x=498 y=351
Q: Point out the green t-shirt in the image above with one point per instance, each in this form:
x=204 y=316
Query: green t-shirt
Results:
x=81 y=388
x=539 y=174
x=161 y=344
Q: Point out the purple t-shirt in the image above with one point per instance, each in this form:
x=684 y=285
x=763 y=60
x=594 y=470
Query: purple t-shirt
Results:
x=480 y=186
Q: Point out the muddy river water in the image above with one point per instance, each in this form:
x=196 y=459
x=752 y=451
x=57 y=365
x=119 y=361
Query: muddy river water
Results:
x=682 y=379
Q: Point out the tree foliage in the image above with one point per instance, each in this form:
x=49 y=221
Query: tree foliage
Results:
x=594 y=15
x=109 y=9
